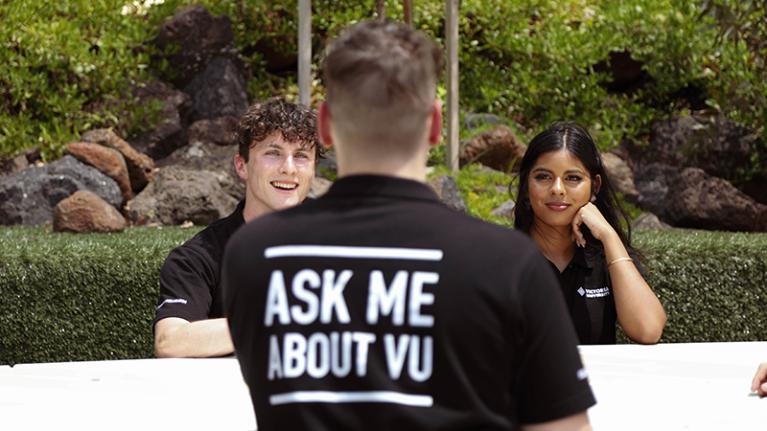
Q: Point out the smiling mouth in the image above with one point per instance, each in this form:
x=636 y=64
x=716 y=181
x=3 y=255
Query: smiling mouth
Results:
x=558 y=206
x=281 y=185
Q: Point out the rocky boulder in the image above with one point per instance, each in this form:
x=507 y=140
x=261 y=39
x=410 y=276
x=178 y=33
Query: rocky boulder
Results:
x=319 y=187
x=691 y=198
x=216 y=159
x=106 y=160
x=717 y=145
x=506 y=210
x=621 y=176
x=191 y=39
x=219 y=131
x=474 y=120
x=499 y=148
x=28 y=197
x=169 y=133
x=648 y=221
x=11 y=165
x=84 y=212
x=179 y=194
x=140 y=166
x=447 y=189
x=218 y=90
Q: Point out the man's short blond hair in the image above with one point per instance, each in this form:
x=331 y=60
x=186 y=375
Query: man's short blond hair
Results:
x=380 y=80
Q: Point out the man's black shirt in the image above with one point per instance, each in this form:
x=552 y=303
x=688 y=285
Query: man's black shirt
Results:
x=378 y=307
x=190 y=278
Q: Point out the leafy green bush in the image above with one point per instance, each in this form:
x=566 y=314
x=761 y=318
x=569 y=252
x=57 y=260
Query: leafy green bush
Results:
x=66 y=297
x=66 y=67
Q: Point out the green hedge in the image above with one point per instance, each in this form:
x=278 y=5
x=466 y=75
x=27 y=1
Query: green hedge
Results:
x=66 y=297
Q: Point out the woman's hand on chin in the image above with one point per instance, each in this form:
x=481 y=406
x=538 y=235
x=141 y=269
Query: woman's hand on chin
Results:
x=590 y=216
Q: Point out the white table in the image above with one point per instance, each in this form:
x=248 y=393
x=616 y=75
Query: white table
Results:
x=148 y=394
x=702 y=386
x=664 y=387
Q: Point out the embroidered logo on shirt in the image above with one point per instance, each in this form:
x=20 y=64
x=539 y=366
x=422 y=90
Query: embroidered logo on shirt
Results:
x=596 y=293
x=172 y=301
x=581 y=291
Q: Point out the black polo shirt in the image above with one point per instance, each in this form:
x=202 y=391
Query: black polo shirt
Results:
x=378 y=307
x=191 y=275
x=588 y=293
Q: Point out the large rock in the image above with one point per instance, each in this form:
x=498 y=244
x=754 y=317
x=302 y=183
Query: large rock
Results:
x=506 y=210
x=448 y=192
x=107 y=160
x=216 y=159
x=191 y=39
x=474 y=120
x=648 y=221
x=11 y=165
x=691 y=198
x=179 y=194
x=719 y=146
x=220 y=131
x=169 y=133
x=218 y=90
x=621 y=176
x=499 y=148
x=28 y=197
x=319 y=187
x=140 y=166
x=85 y=212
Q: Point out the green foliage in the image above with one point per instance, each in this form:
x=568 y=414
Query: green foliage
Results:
x=483 y=190
x=65 y=67
x=710 y=283
x=66 y=297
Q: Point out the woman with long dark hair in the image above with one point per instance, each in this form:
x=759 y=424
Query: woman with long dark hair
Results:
x=568 y=207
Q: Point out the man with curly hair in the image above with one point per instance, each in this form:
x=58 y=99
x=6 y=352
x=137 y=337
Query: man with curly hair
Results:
x=278 y=147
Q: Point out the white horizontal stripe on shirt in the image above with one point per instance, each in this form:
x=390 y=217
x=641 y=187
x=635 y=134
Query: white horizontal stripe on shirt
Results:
x=352 y=252
x=351 y=397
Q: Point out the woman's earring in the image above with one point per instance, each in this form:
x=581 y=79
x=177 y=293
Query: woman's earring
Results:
x=593 y=198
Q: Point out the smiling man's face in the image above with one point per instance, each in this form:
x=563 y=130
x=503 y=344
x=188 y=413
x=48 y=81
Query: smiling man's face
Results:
x=277 y=174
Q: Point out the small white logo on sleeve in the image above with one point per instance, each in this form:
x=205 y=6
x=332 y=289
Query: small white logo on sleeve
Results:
x=172 y=301
x=582 y=374
x=581 y=291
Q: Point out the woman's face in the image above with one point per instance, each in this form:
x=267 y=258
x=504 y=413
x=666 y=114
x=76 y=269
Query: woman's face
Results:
x=558 y=186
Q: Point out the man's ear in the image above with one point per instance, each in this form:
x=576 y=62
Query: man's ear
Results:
x=323 y=125
x=596 y=185
x=240 y=166
x=435 y=130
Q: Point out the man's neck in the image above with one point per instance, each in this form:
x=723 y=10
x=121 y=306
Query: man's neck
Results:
x=402 y=172
x=253 y=209
x=412 y=168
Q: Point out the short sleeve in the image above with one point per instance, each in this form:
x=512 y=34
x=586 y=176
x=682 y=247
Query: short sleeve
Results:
x=552 y=382
x=186 y=283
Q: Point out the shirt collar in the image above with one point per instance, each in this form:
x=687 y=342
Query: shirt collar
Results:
x=379 y=185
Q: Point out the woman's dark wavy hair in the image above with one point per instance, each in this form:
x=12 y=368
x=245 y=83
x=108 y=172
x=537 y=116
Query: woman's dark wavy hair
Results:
x=580 y=144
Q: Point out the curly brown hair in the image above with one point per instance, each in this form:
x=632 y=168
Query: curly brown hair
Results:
x=296 y=123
